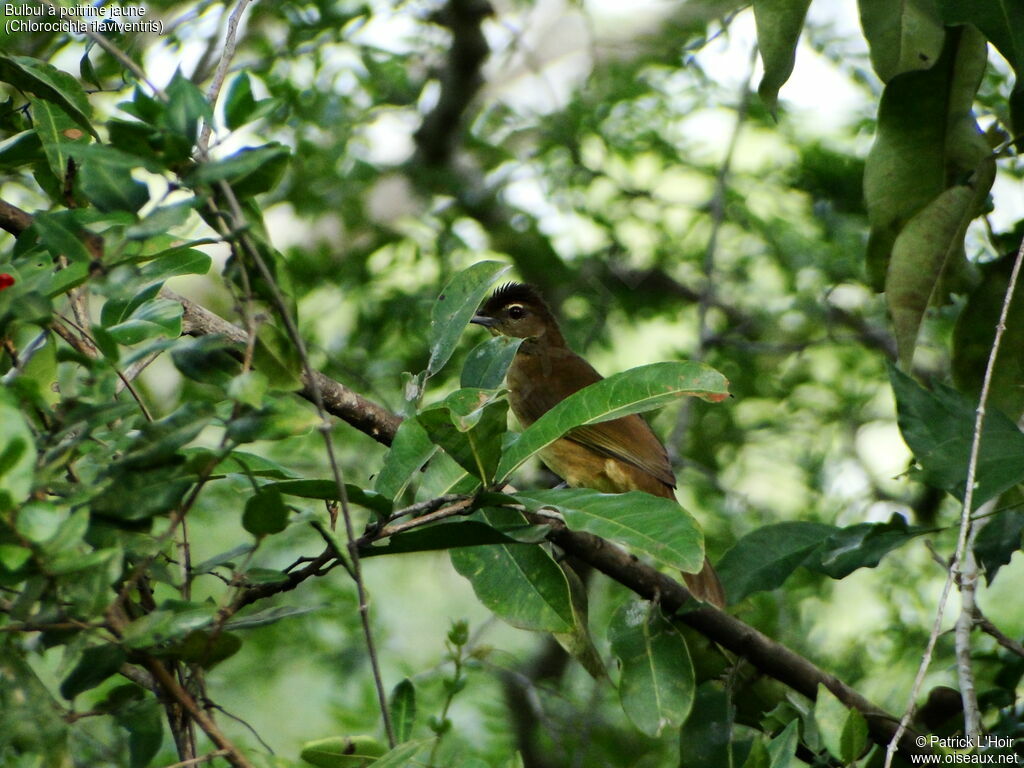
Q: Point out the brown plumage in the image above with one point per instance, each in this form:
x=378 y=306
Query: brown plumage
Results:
x=614 y=456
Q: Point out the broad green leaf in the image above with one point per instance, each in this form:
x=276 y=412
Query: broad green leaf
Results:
x=765 y=558
x=97 y=663
x=487 y=363
x=277 y=358
x=655 y=526
x=265 y=513
x=157 y=317
x=60 y=239
x=633 y=391
x=779 y=23
x=206 y=359
x=158 y=442
x=160 y=220
x=17 y=454
x=402 y=756
x=453 y=309
x=186 y=105
x=902 y=36
x=344 y=752
x=250 y=171
x=861 y=546
x=520 y=584
x=202 y=647
x=47 y=82
x=920 y=142
x=21 y=149
x=279 y=419
x=830 y=715
x=758 y=755
x=410 y=450
x=140 y=494
x=58 y=134
x=239 y=103
x=854 y=739
x=176 y=261
x=938 y=427
x=578 y=643
x=227 y=559
x=782 y=749
x=469 y=425
x=111 y=188
x=922 y=252
x=143 y=719
x=402 y=705
x=172 y=620
x=656 y=684
x=704 y=740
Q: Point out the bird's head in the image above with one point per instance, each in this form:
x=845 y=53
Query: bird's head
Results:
x=517 y=309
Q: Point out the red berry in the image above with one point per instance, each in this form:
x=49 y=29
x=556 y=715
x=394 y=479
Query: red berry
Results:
x=6 y=281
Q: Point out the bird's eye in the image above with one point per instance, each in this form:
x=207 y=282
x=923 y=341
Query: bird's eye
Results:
x=516 y=311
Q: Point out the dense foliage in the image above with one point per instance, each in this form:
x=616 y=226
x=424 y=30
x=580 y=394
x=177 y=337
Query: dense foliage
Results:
x=199 y=564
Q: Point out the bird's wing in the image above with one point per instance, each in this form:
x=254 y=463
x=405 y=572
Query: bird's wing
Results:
x=629 y=439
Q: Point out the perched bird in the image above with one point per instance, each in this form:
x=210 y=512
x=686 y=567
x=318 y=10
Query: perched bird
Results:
x=613 y=456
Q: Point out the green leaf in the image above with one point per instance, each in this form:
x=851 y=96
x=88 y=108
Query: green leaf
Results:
x=706 y=734
x=902 y=36
x=454 y=307
x=520 y=584
x=57 y=132
x=161 y=220
x=656 y=686
x=47 y=82
x=143 y=719
x=633 y=391
x=202 y=647
x=830 y=715
x=111 y=188
x=60 y=240
x=186 y=105
x=19 y=150
x=157 y=317
x=171 y=621
x=265 y=513
x=764 y=558
x=779 y=23
x=403 y=709
x=921 y=142
x=410 y=450
x=343 y=752
x=207 y=359
x=578 y=643
x=17 y=454
x=176 y=261
x=782 y=749
x=277 y=358
x=655 y=526
x=158 y=442
x=1001 y=536
x=279 y=419
x=239 y=103
x=938 y=427
x=97 y=663
x=469 y=425
x=487 y=363
x=402 y=756
x=861 y=546
x=250 y=171
x=922 y=252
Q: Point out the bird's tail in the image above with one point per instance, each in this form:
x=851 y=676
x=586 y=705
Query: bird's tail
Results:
x=705 y=585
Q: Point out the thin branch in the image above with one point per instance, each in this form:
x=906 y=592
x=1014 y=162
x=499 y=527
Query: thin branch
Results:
x=956 y=570
x=199 y=760
x=222 y=69
x=185 y=701
x=992 y=630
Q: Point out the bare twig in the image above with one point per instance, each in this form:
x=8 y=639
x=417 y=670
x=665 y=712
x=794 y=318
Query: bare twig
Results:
x=199 y=760
x=222 y=69
x=992 y=630
x=957 y=570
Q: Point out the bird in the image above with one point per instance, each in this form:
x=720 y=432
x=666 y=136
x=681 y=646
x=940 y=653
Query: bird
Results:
x=612 y=456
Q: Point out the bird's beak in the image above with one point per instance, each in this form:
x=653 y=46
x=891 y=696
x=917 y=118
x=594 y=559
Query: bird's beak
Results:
x=484 y=320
